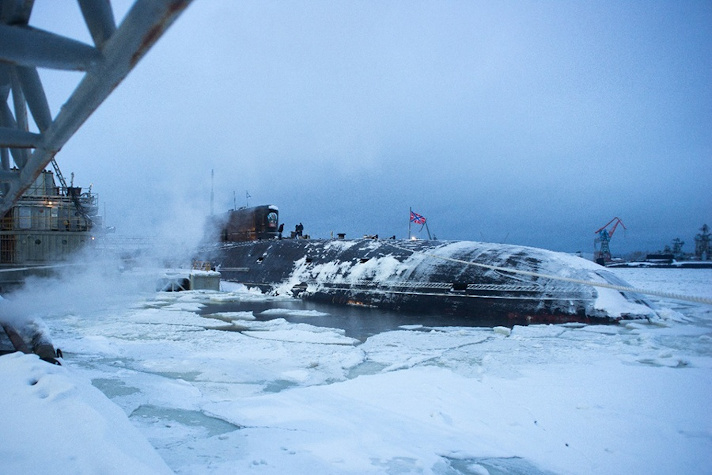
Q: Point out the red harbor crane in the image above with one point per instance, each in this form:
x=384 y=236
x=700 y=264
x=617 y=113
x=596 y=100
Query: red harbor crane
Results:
x=604 y=236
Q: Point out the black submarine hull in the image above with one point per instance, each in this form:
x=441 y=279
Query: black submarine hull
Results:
x=489 y=284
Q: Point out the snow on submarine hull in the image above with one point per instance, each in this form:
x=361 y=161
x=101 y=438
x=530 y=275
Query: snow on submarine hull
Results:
x=454 y=278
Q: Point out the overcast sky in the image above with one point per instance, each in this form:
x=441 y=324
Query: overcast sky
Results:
x=527 y=122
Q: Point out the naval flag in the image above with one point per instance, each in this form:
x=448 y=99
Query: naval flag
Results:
x=416 y=218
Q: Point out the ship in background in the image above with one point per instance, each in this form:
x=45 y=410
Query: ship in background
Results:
x=44 y=227
x=491 y=284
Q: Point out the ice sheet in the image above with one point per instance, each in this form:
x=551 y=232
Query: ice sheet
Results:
x=234 y=395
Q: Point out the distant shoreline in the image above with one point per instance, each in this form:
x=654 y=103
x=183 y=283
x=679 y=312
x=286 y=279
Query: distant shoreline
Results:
x=663 y=265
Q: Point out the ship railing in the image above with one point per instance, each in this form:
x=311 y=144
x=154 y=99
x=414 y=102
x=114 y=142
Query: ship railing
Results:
x=44 y=220
x=559 y=291
x=61 y=202
x=69 y=192
x=202 y=265
x=58 y=193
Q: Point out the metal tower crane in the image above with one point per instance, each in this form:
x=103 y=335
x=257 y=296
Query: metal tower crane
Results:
x=24 y=49
x=603 y=254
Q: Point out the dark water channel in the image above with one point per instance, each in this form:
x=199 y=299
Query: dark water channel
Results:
x=357 y=322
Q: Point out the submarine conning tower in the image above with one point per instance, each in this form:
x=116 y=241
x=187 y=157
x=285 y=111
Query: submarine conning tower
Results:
x=245 y=224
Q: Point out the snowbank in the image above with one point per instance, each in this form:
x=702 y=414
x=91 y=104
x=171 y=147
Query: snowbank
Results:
x=55 y=421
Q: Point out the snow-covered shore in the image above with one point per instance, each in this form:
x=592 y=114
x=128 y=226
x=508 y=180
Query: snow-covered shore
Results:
x=229 y=393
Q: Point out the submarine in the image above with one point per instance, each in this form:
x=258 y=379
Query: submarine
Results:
x=487 y=284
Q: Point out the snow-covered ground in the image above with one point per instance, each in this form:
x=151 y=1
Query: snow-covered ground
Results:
x=232 y=393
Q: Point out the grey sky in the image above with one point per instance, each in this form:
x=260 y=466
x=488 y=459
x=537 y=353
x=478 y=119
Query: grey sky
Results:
x=534 y=122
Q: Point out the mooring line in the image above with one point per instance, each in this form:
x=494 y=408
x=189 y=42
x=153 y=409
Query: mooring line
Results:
x=620 y=288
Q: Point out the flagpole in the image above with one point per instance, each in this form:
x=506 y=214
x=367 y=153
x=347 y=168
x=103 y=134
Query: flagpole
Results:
x=409 y=220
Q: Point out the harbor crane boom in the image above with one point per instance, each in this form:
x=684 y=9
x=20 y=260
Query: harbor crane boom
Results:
x=617 y=221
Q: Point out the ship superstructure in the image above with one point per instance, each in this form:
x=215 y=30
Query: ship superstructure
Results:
x=44 y=227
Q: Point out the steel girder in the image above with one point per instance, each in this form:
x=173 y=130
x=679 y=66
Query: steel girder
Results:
x=23 y=49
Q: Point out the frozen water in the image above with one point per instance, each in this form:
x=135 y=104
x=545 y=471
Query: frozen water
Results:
x=293 y=388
